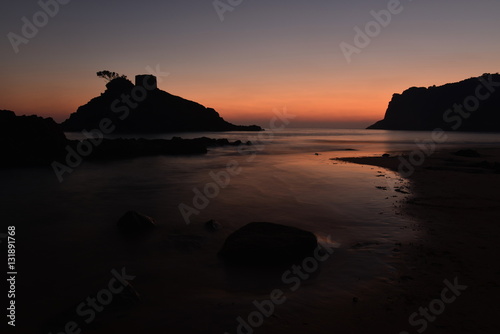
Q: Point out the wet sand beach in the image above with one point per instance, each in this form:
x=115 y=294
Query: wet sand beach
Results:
x=456 y=202
x=396 y=243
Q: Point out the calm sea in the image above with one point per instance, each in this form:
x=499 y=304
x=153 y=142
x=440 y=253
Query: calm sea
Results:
x=68 y=229
x=285 y=177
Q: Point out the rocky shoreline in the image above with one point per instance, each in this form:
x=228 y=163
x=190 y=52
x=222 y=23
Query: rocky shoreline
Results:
x=37 y=141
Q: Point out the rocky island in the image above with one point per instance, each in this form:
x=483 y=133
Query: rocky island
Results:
x=144 y=108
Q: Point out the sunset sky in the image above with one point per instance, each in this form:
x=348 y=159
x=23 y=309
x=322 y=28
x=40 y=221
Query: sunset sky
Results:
x=264 y=55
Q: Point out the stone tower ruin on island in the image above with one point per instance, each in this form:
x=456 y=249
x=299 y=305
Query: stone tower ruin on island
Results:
x=147 y=81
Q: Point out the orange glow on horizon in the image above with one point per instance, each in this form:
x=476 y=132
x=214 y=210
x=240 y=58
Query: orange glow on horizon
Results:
x=236 y=108
x=324 y=101
x=264 y=57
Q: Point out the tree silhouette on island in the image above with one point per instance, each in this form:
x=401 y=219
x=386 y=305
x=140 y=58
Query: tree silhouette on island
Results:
x=108 y=76
x=143 y=108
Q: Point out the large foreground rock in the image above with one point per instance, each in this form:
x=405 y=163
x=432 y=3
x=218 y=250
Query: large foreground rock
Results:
x=135 y=222
x=267 y=243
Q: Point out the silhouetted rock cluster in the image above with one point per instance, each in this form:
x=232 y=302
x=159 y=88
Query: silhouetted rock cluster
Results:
x=267 y=243
x=112 y=149
x=29 y=140
x=135 y=109
x=33 y=140
x=469 y=105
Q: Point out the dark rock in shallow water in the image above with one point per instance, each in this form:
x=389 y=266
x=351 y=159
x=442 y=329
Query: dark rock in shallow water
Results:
x=213 y=225
x=267 y=243
x=134 y=222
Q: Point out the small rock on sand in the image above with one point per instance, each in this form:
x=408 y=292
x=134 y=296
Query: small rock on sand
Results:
x=213 y=225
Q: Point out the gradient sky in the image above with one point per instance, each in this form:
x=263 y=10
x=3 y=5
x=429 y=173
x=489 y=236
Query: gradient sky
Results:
x=265 y=55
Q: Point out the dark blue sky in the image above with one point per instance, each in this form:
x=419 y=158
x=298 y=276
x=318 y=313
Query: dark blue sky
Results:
x=264 y=55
